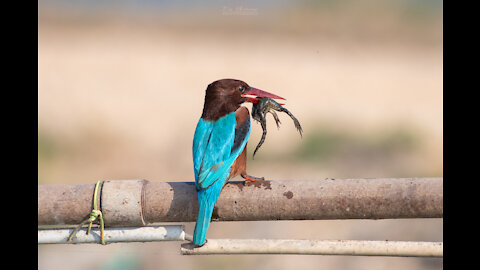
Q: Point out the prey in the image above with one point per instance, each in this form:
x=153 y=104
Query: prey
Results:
x=267 y=105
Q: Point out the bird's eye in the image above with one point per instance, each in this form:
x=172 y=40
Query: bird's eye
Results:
x=240 y=89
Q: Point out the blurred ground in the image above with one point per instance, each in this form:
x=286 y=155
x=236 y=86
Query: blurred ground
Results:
x=120 y=93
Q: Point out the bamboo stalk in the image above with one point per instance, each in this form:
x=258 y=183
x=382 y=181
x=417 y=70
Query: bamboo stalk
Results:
x=316 y=247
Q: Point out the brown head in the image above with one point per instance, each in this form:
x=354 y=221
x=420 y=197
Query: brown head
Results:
x=225 y=96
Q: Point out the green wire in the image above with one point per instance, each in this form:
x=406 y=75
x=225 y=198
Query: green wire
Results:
x=93 y=216
x=95 y=195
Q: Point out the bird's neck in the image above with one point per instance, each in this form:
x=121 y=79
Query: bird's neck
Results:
x=214 y=109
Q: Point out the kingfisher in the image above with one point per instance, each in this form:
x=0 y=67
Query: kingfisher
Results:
x=220 y=145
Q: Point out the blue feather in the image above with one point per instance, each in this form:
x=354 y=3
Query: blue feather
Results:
x=207 y=198
x=212 y=158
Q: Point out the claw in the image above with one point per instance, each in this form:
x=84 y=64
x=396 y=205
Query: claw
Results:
x=250 y=179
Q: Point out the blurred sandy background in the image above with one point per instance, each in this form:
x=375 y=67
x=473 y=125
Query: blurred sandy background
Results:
x=121 y=88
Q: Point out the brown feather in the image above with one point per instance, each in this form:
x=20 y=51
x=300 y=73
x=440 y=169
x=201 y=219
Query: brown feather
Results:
x=222 y=97
x=239 y=166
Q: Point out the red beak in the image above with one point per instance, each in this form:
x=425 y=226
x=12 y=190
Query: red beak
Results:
x=259 y=93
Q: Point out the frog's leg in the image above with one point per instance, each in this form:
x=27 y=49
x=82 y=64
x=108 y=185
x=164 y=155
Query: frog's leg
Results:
x=263 y=122
x=277 y=120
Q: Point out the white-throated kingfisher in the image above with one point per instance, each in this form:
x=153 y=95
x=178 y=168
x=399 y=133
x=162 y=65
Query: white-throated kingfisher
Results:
x=219 y=145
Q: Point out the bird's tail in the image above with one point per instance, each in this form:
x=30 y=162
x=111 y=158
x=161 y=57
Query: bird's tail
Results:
x=206 y=201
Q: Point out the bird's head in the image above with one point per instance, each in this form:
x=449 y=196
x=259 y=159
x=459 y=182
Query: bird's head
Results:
x=226 y=95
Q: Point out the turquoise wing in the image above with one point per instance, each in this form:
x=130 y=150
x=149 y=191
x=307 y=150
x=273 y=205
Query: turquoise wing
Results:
x=212 y=149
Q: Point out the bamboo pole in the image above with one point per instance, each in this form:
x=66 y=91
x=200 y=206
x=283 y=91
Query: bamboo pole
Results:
x=316 y=247
x=140 y=202
x=113 y=235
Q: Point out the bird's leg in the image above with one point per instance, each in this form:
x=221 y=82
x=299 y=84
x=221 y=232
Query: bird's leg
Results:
x=249 y=178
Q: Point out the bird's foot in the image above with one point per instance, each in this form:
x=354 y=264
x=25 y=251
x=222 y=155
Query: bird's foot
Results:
x=249 y=178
